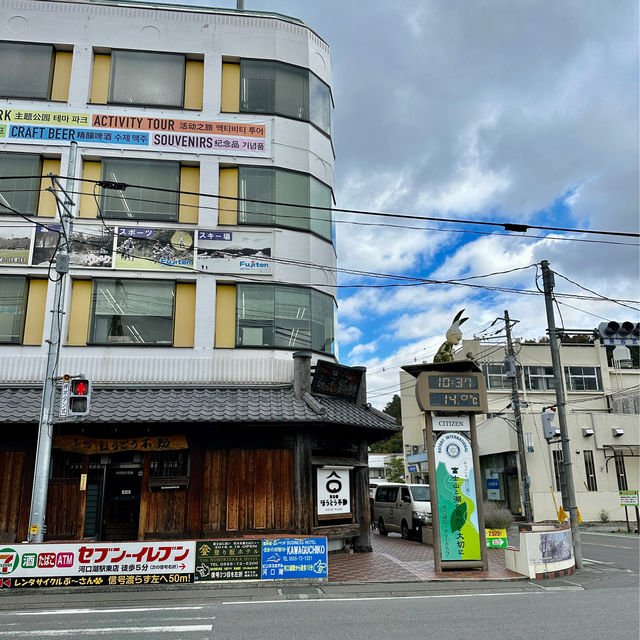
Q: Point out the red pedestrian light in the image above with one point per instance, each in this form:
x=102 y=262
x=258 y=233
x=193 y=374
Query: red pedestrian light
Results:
x=80 y=397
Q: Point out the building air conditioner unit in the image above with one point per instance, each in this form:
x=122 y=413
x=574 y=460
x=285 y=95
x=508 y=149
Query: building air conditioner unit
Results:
x=587 y=433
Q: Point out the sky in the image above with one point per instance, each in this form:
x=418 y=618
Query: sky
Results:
x=517 y=111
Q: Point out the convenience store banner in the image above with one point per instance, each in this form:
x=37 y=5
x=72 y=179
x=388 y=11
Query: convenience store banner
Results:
x=171 y=562
x=148 y=132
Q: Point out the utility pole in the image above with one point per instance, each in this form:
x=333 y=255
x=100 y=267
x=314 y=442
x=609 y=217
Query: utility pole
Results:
x=566 y=468
x=45 y=427
x=515 y=403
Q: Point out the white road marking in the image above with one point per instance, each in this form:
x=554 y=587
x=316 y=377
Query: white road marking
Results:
x=596 y=561
x=452 y=595
x=110 y=630
x=64 y=612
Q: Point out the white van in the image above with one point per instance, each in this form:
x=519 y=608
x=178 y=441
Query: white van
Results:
x=402 y=508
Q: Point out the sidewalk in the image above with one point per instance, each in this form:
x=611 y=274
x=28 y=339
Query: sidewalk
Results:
x=397 y=560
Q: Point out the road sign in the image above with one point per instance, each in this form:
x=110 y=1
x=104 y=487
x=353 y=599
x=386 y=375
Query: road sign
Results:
x=64 y=399
x=629 y=498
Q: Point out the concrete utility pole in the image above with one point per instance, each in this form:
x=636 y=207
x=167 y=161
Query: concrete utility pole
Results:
x=566 y=468
x=45 y=428
x=515 y=403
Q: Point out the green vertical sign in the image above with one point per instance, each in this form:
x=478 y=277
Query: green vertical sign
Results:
x=457 y=511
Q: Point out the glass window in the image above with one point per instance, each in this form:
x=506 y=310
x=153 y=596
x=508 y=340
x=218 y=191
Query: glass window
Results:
x=583 y=378
x=421 y=494
x=19 y=193
x=282 y=89
x=496 y=376
x=26 y=70
x=590 y=470
x=557 y=468
x=268 y=185
x=168 y=464
x=132 y=312
x=284 y=317
x=141 y=203
x=319 y=103
x=621 y=472
x=539 y=378
x=155 y=79
x=13 y=299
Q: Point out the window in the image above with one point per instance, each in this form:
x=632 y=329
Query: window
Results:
x=168 y=464
x=539 y=378
x=590 y=470
x=132 y=311
x=282 y=89
x=26 y=70
x=496 y=376
x=621 y=472
x=265 y=184
x=150 y=79
x=137 y=202
x=13 y=302
x=284 y=317
x=20 y=193
x=557 y=464
x=583 y=378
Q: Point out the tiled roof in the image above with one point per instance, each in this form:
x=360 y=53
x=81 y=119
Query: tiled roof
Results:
x=200 y=404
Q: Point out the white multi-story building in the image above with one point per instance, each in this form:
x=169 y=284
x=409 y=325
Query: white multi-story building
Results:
x=603 y=424
x=201 y=257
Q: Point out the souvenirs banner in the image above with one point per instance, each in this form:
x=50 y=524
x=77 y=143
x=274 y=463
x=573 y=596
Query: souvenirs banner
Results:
x=151 y=132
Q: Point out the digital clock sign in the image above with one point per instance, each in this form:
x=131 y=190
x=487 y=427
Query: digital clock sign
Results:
x=451 y=392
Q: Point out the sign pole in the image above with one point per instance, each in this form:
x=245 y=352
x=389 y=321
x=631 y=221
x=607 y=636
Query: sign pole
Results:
x=45 y=426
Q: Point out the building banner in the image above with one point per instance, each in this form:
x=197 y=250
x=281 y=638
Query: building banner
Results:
x=15 y=245
x=294 y=558
x=143 y=249
x=153 y=132
x=228 y=560
x=106 y=564
x=457 y=510
x=234 y=252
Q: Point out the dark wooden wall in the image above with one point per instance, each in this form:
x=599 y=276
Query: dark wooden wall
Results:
x=65 y=509
x=12 y=464
x=247 y=490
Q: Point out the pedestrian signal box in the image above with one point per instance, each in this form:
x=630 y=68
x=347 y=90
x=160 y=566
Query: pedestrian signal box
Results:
x=79 y=397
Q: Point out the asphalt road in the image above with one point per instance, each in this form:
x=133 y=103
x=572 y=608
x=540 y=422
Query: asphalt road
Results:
x=526 y=615
x=600 y=601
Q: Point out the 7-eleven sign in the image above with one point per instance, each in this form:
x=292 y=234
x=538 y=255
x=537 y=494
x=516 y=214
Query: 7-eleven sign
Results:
x=8 y=560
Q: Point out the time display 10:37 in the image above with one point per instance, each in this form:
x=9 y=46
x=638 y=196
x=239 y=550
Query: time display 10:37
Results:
x=454 y=383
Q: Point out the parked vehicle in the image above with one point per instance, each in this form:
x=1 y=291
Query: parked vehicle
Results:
x=403 y=508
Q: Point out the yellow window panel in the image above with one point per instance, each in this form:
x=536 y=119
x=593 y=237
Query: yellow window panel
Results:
x=230 y=100
x=185 y=315
x=90 y=171
x=228 y=188
x=189 y=181
x=80 y=313
x=225 y=316
x=61 y=76
x=36 y=312
x=47 y=207
x=193 y=84
x=101 y=76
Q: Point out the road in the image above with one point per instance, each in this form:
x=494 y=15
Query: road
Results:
x=601 y=601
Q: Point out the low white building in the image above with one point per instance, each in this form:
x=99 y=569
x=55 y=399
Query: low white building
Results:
x=602 y=420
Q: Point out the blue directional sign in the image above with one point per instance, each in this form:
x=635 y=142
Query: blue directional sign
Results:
x=287 y=558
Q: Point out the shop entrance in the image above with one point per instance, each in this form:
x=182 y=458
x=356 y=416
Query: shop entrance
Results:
x=121 y=504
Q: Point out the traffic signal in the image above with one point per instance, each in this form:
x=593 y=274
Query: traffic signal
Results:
x=615 y=333
x=79 y=397
x=549 y=430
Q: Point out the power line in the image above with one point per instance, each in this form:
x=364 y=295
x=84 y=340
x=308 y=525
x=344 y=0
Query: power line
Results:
x=509 y=226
